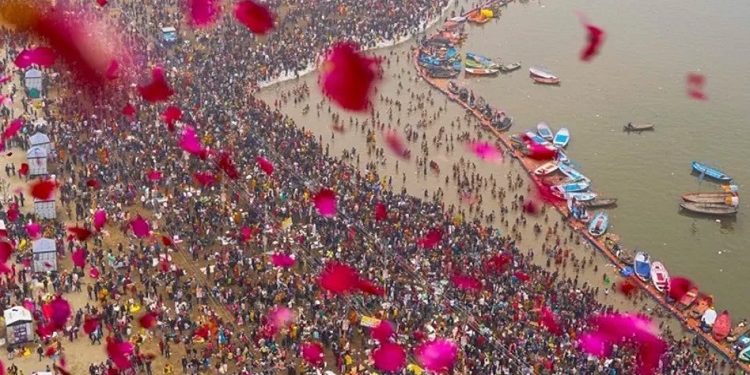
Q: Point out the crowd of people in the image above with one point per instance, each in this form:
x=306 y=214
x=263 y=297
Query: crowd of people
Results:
x=205 y=269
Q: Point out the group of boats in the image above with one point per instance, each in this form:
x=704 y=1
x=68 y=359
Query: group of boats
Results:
x=724 y=202
x=693 y=304
x=479 y=65
x=495 y=117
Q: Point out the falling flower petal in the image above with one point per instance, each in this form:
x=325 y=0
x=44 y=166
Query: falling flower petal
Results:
x=497 y=263
x=42 y=56
x=325 y=202
x=539 y=152
x=166 y=241
x=202 y=332
x=94 y=273
x=190 y=142
x=112 y=70
x=678 y=287
x=158 y=90
x=13 y=212
x=256 y=17
x=100 y=218
x=34 y=230
x=204 y=178
x=171 y=115
x=6 y=249
x=227 y=165
x=627 y=287
x=348 y=77
x=549 y=321
x=282 y=260
x=521 y=276
x=203 y=12
x=389 y=357
x=5 y=79
x=57 y=311
x=23 y=170
x=153 y=175
x=594 y=344
x=695 y=84
x=148 y=320
x=383 y=331
x=280 y=318
x=468 y=283
x=381 y=212
x=90 y=324
x=13 y=128
x=120 y=352
x=431 y=239
x=312 y=353
x=128 y=110
x=437 y=355
x=338 y=278
x=79 y=257
x=595 y=38
x=81 y=234
x=530 y=207
x=140 y=227
x=396 y=144
x=486 y=151
x=43 y=189
x=369 y=287
x=264 y=165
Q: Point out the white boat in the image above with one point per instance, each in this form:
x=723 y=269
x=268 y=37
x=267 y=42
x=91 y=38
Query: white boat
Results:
x=561 y=138
x=599 y=224
x=659 y=276
x=572 y=187
x=572 y=173
x=561 y=157
x=581 y=196
x=544 y=131
x=546 y=168
x=541 y=72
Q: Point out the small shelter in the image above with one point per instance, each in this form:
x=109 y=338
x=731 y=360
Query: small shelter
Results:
x=37 y=160
x=45 y=208
x=32 y=80
x=45 y=255
x=40 y=139
x=18 y=325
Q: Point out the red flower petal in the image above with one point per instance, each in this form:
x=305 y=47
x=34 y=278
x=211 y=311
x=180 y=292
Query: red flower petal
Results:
x=204 y=12
x=627 y=287
x=93 y=183
x=282 y=260
x=189 y=141
x=497 y=263
x=140 y=227
x=486 y=151
x=94 y=273
x=153 y=175
x=148 y=320
x=695 y=84
x=383 y=332
x=595 y=38
x=13 y=212
x=100 y=219
x=128 y=110
x=171 y=115
x=205 y=178
x=23 y=170
x=325 y=202
x=467 y=283
x=6 y=250
x=34 y=230
x=13 y=128
x=42 y=56
x=369 y=287
x=227 y=165
x=550 y=321
x=43 y=189
x=120 y=353
x=396 y=144
x=166 y=241
x=431 y=239
x=437 y=355
x=338 y=278
x=264 y=165
x=158 y=90
x=256 y=17
x=530 y=207
x=312 y=353
x=90 y=324
x=57 y=312
x=678 y=287
x=112 y=70
x=81 y=234
x=380 y=212
x=79 y=257
x=521 y=276
x=348 y=77
x=540 y=152
x=389 y=357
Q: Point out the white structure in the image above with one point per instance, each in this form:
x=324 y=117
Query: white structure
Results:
x=18 y=325
x=45 y=208
x=37 y=159
x=32 y=79
x=45 y=255
x=40 y=139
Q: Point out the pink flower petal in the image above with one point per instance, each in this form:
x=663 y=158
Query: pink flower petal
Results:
x=381 y=212
x=205 y=178
x=204 y=12
x=5 y=79
x=256 y=17
x=369 y=287
x=81 y=234
x=158 y=90
x=695 y=86
x=13 y=213
x=280 y=318
x=594 y=344
x=171 y=115
x=521 y=276
x=431 y=239
x=396 y=144
x=312 y=353
x=389 y=357
x=264 y=165
x=41 y=56
x=13 y=128
x=530 y=207
x=57 y=312
x=486 y=151
x=348 y=77
x=325 y=202
x=34 y=230
x=497 y=263
x=79 y=257
x=438 y=355
x=550 y=321
x=148 y=320
x=467 y=283
x=190 y=142
x=100 y=219
x=112 y=70
x=153 y=175
x=6 y=250
x=227 y=165
x=595 y=38
x=140 y=227
x=539 y=152
x=94 y=273
x=120 y=353
x=338 y=278
x=24 y=170
x=90 y=324
x=128 y=110
x=383 y=332
x=282 y=260
x=627 y=287
x=43 y=189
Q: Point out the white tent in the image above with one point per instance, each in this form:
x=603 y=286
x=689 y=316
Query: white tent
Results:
x=45 y=255
x=37 y=159
x=40 y=139
x=32 y=79
x=18 y=325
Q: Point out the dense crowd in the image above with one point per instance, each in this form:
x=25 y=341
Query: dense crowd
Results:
x=211 y=281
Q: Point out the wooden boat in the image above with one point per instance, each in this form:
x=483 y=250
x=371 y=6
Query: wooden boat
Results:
x=601 y=202
x=659 y=276
x=699 y=307
x=631 y=127
x=485 y=62
x=544 y=131
x=580 y=196
x=481 y=71
x=716 y=197
x=571 y=172
x=740 y=330
x=642 y=266
x=562 y=137
x=510 y=67
x=473 y=64
x=689 y=297
x=546 y=168
x=709 y=171
x=722 y=326
x=572 y=187
x=546 y=81
x=599 y=224
x=443 y=73
x=541 y=72
x=715 y=209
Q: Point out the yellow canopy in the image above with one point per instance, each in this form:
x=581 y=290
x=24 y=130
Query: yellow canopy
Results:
x=487 y=13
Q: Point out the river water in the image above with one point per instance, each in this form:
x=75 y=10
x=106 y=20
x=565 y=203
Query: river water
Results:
x=640 y=77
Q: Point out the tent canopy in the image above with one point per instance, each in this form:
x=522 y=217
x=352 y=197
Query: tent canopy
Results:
x=36 y=152
x=43 y=245
x=33 y=73
x=17 y=315
x=38 y=138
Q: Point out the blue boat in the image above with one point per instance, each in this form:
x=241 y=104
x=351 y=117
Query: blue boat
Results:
x=709 y=171
x=572 y=187
x=642 y=266
x=599 y=224
x=561 y=138
x=581 y=196
x=488 y=63
x=571 y=172
x=534 y=137
x=544 y=131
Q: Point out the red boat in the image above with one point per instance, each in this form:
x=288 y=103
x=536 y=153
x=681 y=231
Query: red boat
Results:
x=546 y=81
x=722 y=326
x=689 y=298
